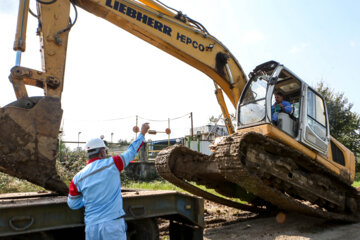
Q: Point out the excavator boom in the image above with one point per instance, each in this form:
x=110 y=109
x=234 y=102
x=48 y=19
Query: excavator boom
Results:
x=179 y=36
x=29 y=145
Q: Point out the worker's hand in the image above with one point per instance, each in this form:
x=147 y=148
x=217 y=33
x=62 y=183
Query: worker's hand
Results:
x=144 y=128
x=281 y=105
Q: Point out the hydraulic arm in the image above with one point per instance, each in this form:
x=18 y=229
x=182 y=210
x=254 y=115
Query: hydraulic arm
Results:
x=179 y=36
x=29 y=143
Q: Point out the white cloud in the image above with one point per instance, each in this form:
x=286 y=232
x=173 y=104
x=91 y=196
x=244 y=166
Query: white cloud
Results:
x=253 y=36
x=8 y=7
x=298 y=48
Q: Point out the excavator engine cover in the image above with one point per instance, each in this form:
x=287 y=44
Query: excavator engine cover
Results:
x=29 y=131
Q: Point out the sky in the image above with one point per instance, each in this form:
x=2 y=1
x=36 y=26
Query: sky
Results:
x=111 y=76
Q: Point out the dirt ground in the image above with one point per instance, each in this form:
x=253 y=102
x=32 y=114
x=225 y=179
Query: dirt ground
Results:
x=227 y=223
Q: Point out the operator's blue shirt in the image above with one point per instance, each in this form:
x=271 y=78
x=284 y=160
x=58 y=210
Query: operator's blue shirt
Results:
x=97 y=187
x=275 y=109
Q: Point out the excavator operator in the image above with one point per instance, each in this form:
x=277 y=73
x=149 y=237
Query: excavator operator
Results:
x=97 y=187
x=279 y=106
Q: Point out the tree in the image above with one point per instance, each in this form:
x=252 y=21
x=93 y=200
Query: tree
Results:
x=68 y=161
x=344 y=124
x=123 y=142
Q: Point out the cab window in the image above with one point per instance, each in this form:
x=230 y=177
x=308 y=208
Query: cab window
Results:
x=316 y=115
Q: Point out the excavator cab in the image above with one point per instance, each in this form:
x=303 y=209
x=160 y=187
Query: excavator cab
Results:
x=307 y=122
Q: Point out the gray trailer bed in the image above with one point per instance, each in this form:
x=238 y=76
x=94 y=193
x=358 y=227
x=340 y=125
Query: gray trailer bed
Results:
x=43 y=213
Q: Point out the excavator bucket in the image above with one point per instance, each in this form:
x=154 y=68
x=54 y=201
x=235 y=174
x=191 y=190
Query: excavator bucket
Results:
x=29 y=131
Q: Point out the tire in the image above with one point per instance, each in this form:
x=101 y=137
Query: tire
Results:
x=143 y=229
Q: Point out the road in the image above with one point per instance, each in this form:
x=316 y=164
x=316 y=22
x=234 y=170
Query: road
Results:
x=227 y=223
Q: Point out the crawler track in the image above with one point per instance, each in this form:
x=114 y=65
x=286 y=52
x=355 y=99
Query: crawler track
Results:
x=266 y=168
x=164 y=168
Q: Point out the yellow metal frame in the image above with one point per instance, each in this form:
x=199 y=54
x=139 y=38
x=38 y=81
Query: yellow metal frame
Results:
x=347 y=172
x=147 y=20
x=54 y=18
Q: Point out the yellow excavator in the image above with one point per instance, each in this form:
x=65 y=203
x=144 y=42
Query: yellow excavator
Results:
x=293 y=163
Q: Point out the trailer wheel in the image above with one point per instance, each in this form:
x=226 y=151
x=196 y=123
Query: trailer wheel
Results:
x=143 y=229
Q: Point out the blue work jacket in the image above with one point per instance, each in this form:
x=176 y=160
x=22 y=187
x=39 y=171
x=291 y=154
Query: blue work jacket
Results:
x=97 y=187
x=276 y=108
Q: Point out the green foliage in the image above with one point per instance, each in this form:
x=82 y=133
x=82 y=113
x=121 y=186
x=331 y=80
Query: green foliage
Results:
x=123 y=142
x=344 y=124
x=10 y=184
x=165 y=185
x=153 y=185
x=357 y=180
x=70 y=162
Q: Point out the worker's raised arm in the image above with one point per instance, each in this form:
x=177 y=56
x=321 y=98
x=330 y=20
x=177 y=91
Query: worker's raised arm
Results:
x=122 y=160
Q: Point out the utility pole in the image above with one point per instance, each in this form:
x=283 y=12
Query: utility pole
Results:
x=169 y=133
x=192 y=127
x=136 y=125
x=79 y=140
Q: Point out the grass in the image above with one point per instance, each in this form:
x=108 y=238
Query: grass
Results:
x=163 y=185
x=357 y=180
x=153 y=185
x=10 y=184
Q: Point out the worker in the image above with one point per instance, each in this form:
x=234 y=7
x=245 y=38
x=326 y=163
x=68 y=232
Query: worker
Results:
x=279 y=106
x=97 y=187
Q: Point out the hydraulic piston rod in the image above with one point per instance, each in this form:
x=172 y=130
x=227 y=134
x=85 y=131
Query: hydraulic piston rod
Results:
x=20 y=37
x=20 y=44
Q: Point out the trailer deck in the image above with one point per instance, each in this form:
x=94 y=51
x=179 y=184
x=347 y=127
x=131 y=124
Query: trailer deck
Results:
x=24 y=213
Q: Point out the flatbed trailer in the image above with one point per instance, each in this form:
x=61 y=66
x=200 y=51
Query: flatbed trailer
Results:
x=47 y=216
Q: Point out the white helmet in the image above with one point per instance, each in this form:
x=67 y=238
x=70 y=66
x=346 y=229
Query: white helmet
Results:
x=94 y=144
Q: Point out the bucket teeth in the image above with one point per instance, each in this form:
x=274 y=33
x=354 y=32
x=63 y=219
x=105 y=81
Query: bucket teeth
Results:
x=29 y=141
